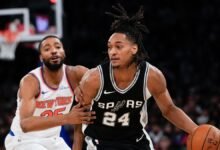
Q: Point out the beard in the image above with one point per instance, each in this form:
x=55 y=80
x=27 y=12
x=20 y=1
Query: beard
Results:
x=53 y=67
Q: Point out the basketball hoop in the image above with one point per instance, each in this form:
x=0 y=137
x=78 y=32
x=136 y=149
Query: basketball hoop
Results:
x=8 y=44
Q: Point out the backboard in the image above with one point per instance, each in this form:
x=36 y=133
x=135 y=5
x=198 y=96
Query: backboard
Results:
x=36 y=21
x=30 y=22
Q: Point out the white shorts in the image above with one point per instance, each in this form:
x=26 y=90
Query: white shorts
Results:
x=17 y=143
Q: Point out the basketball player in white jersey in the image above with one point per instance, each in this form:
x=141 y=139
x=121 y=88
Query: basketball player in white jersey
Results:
x=44 y=102
x=119 y=89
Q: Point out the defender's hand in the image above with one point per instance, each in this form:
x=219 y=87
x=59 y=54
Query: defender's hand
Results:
x=81 y=114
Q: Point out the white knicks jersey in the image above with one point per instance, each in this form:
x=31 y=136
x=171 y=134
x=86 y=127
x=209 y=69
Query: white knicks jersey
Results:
x=49 y=102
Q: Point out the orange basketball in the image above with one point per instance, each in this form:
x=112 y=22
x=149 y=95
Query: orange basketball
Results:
x=205 y=137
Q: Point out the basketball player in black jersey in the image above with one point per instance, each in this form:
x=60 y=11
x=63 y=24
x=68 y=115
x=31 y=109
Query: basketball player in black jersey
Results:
x=119 y=89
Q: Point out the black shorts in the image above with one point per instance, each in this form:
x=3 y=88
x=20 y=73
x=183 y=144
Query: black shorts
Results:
x=142 y=144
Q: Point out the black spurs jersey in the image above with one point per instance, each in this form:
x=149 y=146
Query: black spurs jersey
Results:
x=121 y=114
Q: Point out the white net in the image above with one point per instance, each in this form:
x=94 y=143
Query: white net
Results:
x=8 y=45
x=7 y=50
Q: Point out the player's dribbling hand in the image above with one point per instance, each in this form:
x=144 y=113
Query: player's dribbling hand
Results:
x=80 y=114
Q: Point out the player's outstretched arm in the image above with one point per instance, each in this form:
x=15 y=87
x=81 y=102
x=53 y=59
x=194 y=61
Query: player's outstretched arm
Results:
x=158 y=88
x=29 y=88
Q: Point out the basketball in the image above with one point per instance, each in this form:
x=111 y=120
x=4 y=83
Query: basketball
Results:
x=205 y=137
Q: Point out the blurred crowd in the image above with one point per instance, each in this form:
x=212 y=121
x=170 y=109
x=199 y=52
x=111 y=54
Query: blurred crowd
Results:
x=183 y=43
